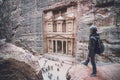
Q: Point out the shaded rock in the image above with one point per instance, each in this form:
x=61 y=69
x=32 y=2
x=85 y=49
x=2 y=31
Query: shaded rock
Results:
x=5 y=27
x=112 y=43
x=11 y=69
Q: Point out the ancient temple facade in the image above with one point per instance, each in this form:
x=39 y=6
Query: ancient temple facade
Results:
x=59 y=28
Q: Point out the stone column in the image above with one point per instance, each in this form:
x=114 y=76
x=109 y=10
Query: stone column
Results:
x=62 y=46
x=52 y=45
x=56 y=46
x=48 y=45
x=71 y=46
x=66 y=47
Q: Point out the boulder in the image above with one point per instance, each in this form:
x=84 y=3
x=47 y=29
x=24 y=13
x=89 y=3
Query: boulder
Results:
x=11 y=69
x=9 y=50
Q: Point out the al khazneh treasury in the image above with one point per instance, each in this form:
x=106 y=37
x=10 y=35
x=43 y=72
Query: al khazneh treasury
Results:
x=60 y=29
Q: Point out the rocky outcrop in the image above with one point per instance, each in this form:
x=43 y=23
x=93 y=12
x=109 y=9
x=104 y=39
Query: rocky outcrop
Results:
x=11 y=69
x=81 y=72
x=11 y=51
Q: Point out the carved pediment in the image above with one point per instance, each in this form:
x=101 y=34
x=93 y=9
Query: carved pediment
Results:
x=59 y=36
x=50 y=19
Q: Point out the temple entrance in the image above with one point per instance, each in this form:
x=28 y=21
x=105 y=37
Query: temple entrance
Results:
x=59 y=46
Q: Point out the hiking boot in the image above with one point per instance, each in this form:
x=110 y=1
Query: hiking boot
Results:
x=93 y=75
x=84 y=63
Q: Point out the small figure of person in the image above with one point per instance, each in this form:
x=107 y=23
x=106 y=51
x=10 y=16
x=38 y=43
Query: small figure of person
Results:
x=48 y=67
x=51 y=67
x=58 y=69
x=57 y=77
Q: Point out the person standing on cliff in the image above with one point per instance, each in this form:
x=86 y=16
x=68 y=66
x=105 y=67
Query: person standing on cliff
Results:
x=92 y=47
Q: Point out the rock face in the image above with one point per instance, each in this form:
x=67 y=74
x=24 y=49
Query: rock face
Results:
x=12 y=69
x=5 y=22
x=21 y=21
x=27 y=17
x=113 y=43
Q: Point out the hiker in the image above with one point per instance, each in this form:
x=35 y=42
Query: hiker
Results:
x=92 y=47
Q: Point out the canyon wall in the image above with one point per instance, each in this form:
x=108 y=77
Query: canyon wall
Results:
x=21 y=22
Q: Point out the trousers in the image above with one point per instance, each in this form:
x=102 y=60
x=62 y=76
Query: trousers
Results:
x=92 y=59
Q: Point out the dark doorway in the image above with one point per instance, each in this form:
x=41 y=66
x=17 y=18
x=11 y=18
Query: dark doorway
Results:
x=64 y=47
x=59 y=46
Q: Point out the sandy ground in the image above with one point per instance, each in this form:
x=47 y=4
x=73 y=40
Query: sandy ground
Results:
x=56 y=64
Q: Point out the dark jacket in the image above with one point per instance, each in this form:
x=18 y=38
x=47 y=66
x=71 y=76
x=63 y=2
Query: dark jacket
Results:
x=92 y=44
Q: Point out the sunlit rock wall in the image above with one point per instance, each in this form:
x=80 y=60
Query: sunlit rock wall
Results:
x=28 y=15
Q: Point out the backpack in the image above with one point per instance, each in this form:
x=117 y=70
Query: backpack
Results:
x=99 y=46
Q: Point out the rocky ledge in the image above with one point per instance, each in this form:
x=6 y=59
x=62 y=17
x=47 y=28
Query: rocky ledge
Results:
x=105 y=72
